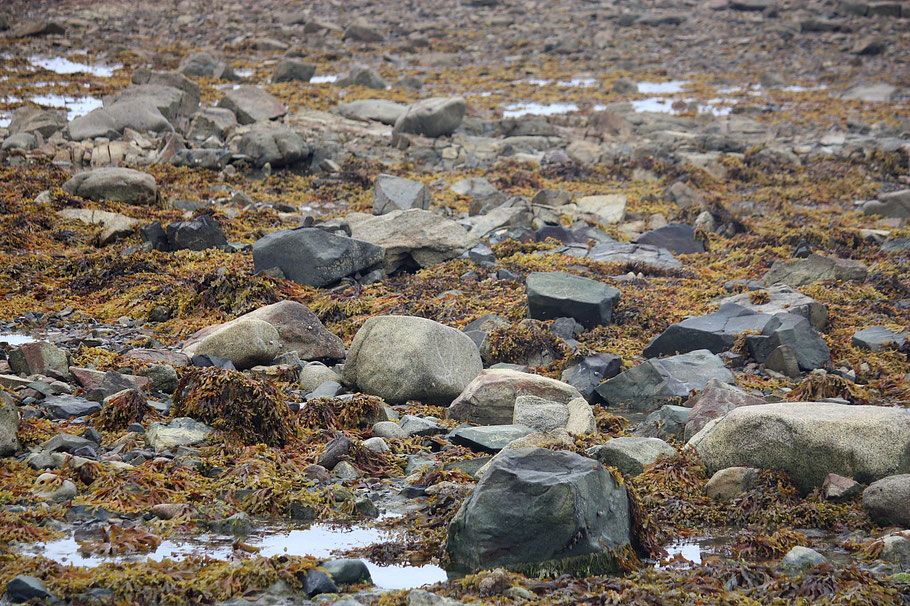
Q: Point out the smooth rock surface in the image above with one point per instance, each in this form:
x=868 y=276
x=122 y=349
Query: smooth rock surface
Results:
x=631 y=455
x=246 y=342
x=888 y=500
x=490 y=397
x=558 y=294
x=114 y=184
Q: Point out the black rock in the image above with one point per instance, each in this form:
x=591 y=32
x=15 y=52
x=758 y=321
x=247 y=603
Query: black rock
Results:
x=68 y=407
x=155 y=235
x=336 y=450
x=348 y=571
x=24 y=588
x=558 y=294
x=196 y=234
x=590 y=372
x=566 y=328
x=318 y=582
x=678 y=238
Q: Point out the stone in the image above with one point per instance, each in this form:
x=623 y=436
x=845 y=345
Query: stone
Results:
x=39 y=358
x=590 y=372
x=25 y=588
x=838 y=488
x=630 y=455
x=887 y=500
x=413 y=238
x=717 y=399
x=392 y=193
x=252 y=104
x=683 y=195
x=870 y=45
x=809 y=440
x=575 y=416
x=676 y=237
x=783 y=299
x=115 y=185
x=661 y=381
x=68 y=407
x=379 y=110
x=421 y=597
x=275 y=145
x=558 y=294
x=171 y=102
x=896 y=548
x=318 y=582
x=314 y=374
x=114 y=226
x=361 y=75
x=605 y=209
x=814 y=268
x=566 y=513
x=204 y=64
x=182 y=431
x=388 y=429
x=666 y=422
x=173 y=80
x=20 y=141
x=362 y=31
x=314 y=257
x=432 y=117
x=50 y=487
x=210 y=122
x=801 y=558
x=877 y=338
x=348 y=571
x=293 y=70
x=38 y=27
x=9 y=425
x=895 y=204
x=873 y=93
x=377 y=445
x=489 y=438
x=413 y=425
x=490 y=397
x=196 y=234
x=483 y=195
x=623 y=252
x=402 y=358
x=238 y=524
x=731 y=482
x=246 y=342
x=32 y=120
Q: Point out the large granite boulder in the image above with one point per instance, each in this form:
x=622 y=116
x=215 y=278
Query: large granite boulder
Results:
x=245 y=342
x=558 y=294
x=392 y=193
x=809 y=440
x=656 y=382
x=432 y=117
x=274 y=144
x=888 y=500
x=313 y=256
x=541 y=512
x=114 y=184
x=401 y=358
x=490 y=397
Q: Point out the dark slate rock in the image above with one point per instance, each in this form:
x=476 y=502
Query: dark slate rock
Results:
x=348 y=571
x=327 y=389
x=590 y=372
x=489 y=438
x=196 y=234
x=558 y=294
x=206 y=360
x=314 y=257
x=336 y=450
x=534 y=509
x=566 y=328
x=668 y=421
x=318 y=582
x=24 y=588
x=64 y=442
x=793 y=331
x=154 y=235
x=715 y=332
x=876 y=338
x=68 y=407
x=678 y=238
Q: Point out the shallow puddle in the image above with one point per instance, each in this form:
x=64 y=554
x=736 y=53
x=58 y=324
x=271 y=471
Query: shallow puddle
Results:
x=60 y=65
x=75 y=106
x=661 y=88
x=16 y=339
x=319 y=541
x=517 y=110
x=324 y=79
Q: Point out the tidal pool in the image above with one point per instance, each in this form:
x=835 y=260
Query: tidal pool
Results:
x=324 y=79
x=62 y=65
x=75 y=106
x=661 y=88
x=517 y=110
x=16 y=339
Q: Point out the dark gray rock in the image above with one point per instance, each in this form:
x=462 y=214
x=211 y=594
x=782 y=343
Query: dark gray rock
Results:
x=252 y=104
x=64 y=442
x=541 y=512
x=210 y=159
x=347 y=572
x=361 y=75
x=667 y=422
x=314 y=257
x=432 y=117
x=317 y=582
x=394 y=193
x=678 y=238
x=558 y=294
x=293 y=70
x=9 y=425
x=204 y=64
x=896 y=245
x=590 y=372
x=413 y=425
x=490 y=438
x=888 y=501
x=112 y=383
x=275 y=145
x=211 y=122
x=877 y=338
x=336 y=450
x=630 y=455
x=25 y=588
x=154 y=235
x=32 y=120
x=196 y=234
x=68 y=407
x=809 y=349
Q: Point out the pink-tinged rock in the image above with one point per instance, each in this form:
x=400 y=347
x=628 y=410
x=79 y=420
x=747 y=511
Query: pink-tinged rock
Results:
x=716 y=400
x=39 y=358
x=838 y=488
x=89 y=378
x=159 y=356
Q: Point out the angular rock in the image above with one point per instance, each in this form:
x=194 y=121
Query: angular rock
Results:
x=196 y=234
x=293 y=70
x=379 y=110
x=64 y=442
x=624 y=252
x=114 y=184
x=171 y=102
x=388 y=429
x=575 y=416
x=252 y=104
x=413 y=425
x=566 y=513
x=314 y=257
x=172 y=79
x=114 y=225
x=9 y=425
x=683 y=195
x=814 y=268
x=838 y=488
x=489 y=438
x=727 y=484
x=590 y=372
x=558 y=294
x=666 y=422
x=361 y=75
x=392 y=193
x=660 y=381
x=246 y=342
x=717 y=399
x=631 y=455
x=68 y=407
x=211 y=122
x=204 y=64
x=432 y=117
x=33 y=120
x=887 y=501
x=182 y=431
x=403 y=358
x=274 y=144
x=317 y=582
x=809 y=440
x=39 y=358
x=362 y=31
x=490 y=398
x=25 y=588
x=678 y=238
x=139 y=113
x=607 y=209
x=784 y=299
x=877 y=338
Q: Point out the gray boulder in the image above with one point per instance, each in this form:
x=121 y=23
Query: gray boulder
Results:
x=114 y=184
x=678 y=238
x=361 y=75
x=666 y=422
x=661 y=381
x=484 y=196
x=895 y=204
x=211 y=122
x=274 y=144
x=245 y=342
x=731 y=482
x=394 y=193
x=716 y=400
x=432 y=117
x=347 y=572
x=564 y=513
x=9 y=425
x=877 y=338
x=22 y=141
x=32 y=120
x=314 y=257
x=252 y=104
x=114 y=225
x=631 y=455
x=138 y=113
x=182 y=431
x=814 y=268
x=379 y=110
x=488 y=438
x=888 y=500
x=204 y=64
x=623 y=252
x=25 y=588
x=558 y=294
x=172 y=79
x=801 y=558
x=196 y=234
x=809 y=440
x=403 y=358
x=293 y=70
x=540 y=414
x=171 y=102
x=784 y=299
x=590 y=372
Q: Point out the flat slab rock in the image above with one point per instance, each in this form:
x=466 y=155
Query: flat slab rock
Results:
x=624 y=252
x=558 y=294
x=491 y=438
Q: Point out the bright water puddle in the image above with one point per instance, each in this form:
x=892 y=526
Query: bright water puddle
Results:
x=319 y=541
x=665 y=106
x=61 y=65
x=661 y=88
x=324 y=79
x=16 y=339
x=75 y=106
x=573 y=83
x=5 y=120
x=517 y=110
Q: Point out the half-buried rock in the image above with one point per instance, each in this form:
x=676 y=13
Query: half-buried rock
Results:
x=542 y=512
x=558 y=294
x=246 y=343
x=433 y=117
x=401 y=358
x=114 y=184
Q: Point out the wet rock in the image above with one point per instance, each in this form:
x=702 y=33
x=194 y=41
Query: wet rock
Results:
x=32 y=120
x=877 y=338
x=182 y=431
x=246 y=342
x=727 y=484
x=318 y=582
x=25 y=588
x=314 y=374
x=432 y=117
x=196 y=234
x=605 y=209
x=238 y=524
x=814 y=268
x=590 y=372
x=50 y=487
x=676 y=237
x=631 y=455
x=578 y=512
x=896 y=548
x=39 y=358
x=407 y=358
x=69 y=407
x=717 y=399
x=557 y=294
x=783 y=299
x=809 y=440
x=114 y=226
x=379 y=110
x=347 y=572
x=575 y=416
x=361 y=75
x=9 y=425
x=210 y=122
x=667 y=422
x=293 y=70
x=895 y=204
x=490 y=438
x=413 y=238
x=801 y=558
x=656 y=382
x=388 y=429
x=420 y=597
x=490 y=398
x=838 y=488
x=887 y=501
x=204 y=64
x=392 y=193
x=314 y=257
x=413 y=425
x=114 y=184
x=251 y=104
x=275 y=145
